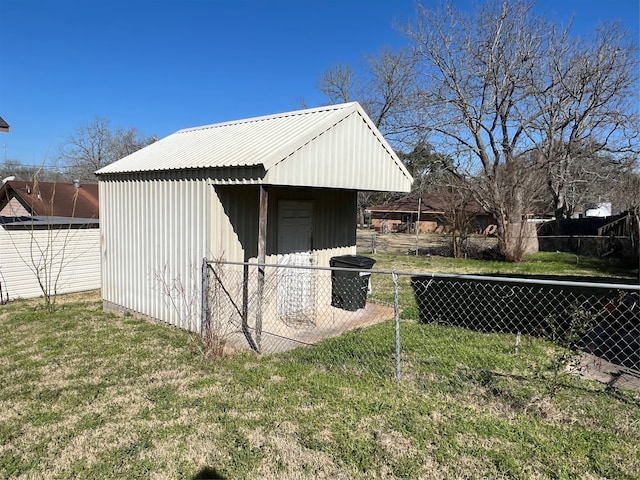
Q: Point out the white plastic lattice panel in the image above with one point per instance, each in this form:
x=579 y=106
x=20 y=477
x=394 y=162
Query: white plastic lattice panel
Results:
x=297 y=289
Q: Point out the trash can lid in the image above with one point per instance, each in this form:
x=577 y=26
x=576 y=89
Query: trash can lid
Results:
x=352 y=261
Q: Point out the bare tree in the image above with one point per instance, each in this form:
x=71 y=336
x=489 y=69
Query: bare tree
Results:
x=585 y=124
x=459 y=215
x=96 y=144
x=17 y=169
x=626 y=191
x=587 y=181
x=45 y=247
x=337 y=84
x=493 y=82
x=382 y=90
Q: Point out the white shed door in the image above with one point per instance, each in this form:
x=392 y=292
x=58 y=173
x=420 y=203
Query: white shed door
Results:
x=296 y=286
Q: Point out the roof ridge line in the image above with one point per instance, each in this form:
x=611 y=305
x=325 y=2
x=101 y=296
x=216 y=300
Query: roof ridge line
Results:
x=260 y=118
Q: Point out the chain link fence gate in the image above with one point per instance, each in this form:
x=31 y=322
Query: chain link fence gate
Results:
x=421 y=326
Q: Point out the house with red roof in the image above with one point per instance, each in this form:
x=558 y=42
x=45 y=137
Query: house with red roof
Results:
x=49 y=239
x=428 y=213
x=49 y=199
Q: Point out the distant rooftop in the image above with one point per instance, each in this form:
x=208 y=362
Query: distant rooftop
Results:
x=50 y=199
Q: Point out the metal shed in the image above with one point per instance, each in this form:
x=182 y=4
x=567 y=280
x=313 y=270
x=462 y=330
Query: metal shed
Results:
x=260 y=189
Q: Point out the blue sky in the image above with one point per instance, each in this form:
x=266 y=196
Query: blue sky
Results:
x=163 y=65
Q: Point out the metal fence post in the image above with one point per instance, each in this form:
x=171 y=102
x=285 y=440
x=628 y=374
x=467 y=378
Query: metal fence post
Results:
x=396 y=316
x=204 y=297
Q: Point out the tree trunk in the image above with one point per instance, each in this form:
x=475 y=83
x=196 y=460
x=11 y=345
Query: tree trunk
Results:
x=361 y=211
x=520 y=239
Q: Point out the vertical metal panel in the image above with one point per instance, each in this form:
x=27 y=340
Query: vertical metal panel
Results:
x=235 y=227
x=348 y=156
x=334 y=221
x=162 y=227
x=74 y=254
x=154 y=239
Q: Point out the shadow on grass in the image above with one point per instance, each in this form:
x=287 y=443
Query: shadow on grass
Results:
x=207 y=473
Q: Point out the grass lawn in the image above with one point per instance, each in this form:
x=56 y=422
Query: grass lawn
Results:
x=85 y=394
x=541 y=263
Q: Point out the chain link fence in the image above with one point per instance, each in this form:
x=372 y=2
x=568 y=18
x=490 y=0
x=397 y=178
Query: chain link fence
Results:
x=398 y=325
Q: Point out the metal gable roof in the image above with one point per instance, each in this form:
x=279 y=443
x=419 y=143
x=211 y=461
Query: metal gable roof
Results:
x=265 y=141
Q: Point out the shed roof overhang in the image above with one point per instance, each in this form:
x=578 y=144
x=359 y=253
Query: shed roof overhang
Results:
x=328 y=147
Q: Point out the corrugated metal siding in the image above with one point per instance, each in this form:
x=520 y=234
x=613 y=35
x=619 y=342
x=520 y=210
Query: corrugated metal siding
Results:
x=234 y=231
x=334 y=230
x=348 y=156
x=334 y=233
x=237 y=175
x=334 y=221
x=162 y=222
x=73 y=253
x=155 y=233
x=152 y=226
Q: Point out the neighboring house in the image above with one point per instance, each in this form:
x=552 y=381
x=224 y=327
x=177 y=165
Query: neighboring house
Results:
x=4 y=126
x=49 y=235
x=58 y=199
x=271 y=189
x=430 y=213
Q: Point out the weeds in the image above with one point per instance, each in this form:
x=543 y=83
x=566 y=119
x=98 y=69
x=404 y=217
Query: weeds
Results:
x=184 y=297
x=568 y=337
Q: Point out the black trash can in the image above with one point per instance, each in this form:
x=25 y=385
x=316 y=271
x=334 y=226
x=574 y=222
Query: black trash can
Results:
x=349 y=289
